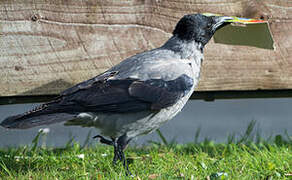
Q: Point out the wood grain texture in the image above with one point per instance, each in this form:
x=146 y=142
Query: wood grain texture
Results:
x=47 y=46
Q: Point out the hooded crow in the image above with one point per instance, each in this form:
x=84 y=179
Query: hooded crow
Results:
x=137 y=95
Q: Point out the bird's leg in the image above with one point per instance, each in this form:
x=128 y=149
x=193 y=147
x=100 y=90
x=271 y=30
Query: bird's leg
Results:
x=112 y=142
x=120 y=145
x=116 y=153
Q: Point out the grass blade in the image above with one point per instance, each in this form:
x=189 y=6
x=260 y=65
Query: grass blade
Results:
x=3 y=166
x=162 y=137
x=248 y=132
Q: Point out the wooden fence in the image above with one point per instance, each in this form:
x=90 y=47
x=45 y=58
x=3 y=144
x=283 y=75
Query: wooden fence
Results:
x=47 y=46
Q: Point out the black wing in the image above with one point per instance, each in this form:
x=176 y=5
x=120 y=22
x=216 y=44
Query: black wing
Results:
x=103 y=94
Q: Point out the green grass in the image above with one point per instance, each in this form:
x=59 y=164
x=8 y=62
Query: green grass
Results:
x=246 y=158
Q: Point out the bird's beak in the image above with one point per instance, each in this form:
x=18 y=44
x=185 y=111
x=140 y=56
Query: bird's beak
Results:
x=220 y=21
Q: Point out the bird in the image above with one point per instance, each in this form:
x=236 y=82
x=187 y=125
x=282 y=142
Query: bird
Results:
x=136 y=96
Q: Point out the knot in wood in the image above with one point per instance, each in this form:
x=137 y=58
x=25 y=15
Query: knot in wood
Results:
x=35 y=17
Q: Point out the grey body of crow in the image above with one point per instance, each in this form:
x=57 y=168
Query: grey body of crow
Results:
x=169 y=62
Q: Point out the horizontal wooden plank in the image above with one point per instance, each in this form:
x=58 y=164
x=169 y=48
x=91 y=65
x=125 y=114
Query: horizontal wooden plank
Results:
x=47 y=46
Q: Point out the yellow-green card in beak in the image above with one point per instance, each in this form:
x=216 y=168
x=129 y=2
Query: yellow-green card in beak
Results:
x=243 y=31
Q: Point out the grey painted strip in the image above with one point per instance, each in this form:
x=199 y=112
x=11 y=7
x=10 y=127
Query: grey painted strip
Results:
x=202 y=95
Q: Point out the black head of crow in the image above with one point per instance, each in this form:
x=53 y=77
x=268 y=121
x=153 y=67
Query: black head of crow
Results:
x=135 y=96
x=198 y=28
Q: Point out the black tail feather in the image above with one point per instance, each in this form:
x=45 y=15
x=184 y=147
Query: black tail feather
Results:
x=47 y=113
